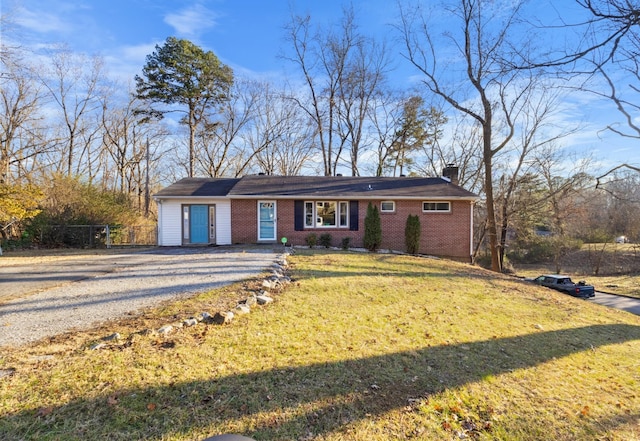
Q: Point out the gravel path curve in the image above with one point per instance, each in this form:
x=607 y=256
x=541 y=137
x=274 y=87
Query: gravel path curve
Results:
x=117 y=285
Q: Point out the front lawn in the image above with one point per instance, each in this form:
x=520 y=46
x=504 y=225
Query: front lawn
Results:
x=359 y=347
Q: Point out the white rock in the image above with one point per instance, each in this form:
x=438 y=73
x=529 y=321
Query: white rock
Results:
x=114 y=336
x=242 y=309
x=263 y=299
x=190 y=322
x=165 y=330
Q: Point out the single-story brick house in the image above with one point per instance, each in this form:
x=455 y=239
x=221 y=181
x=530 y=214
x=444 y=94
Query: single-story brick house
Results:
x=265 y=208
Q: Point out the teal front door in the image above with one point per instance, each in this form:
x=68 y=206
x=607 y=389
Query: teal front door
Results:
x=266 y=220
x=199 y=225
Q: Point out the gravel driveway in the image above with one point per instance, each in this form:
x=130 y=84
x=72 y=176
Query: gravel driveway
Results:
x=38 y=301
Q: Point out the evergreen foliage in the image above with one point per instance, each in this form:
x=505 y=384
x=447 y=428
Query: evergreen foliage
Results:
x=372 y=228
x=311 y=240
x=325 y=240
x=412 y=234
x=183 y=74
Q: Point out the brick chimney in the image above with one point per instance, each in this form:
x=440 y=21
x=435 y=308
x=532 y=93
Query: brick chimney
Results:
x=451 y=172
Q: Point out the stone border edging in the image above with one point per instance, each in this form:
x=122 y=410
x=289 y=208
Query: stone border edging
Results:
x=277 y=281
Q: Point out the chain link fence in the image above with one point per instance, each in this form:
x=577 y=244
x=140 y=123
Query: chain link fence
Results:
x=95 y=236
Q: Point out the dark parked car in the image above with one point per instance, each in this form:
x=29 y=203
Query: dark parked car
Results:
x=566 y=285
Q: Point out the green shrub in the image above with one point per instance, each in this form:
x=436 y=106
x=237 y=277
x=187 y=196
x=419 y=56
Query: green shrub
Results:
x=372 y=228
x=346 y=243
x=412 y=234
x=325 y=240
x=311 y=240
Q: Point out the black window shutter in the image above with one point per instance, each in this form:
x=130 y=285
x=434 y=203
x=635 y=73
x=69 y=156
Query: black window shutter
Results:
x=298 y=214
x=353 y=215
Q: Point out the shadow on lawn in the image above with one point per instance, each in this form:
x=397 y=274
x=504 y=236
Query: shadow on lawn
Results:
x=289 y=403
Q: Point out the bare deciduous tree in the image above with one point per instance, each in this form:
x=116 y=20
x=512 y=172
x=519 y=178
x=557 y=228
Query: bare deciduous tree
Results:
x=342 y=73
x=536 y=133
x=130 y=150
x=357 y=91
x=280 y=134
x=607 y=39
x=462 y=146
x=75 y=90
x=385 y=115
x=628 y=108
x=490 y=94
x=608 y=27
x=20 y=119
x=221 y=150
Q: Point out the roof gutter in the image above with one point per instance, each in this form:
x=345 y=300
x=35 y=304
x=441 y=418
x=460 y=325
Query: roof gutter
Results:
x=356 y=197
x=328 y=197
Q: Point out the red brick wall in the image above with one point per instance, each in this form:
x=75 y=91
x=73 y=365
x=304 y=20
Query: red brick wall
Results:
x=244 y=220
x=443 y=234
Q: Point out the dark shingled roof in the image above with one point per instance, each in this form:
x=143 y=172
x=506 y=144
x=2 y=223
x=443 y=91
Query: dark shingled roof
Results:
x=348 y=187
x=198 y=187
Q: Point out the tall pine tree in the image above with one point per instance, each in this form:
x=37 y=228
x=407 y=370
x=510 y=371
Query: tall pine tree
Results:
x=181 y=73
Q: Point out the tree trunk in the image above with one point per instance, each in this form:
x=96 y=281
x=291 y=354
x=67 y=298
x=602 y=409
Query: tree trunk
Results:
x=504 y=227
x=192 y=138
x=491 y=215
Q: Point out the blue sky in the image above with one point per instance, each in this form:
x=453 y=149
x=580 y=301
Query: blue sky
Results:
x=244 y=34
x=247 y=35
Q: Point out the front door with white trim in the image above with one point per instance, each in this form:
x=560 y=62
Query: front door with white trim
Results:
x=267 y=221
x=198 y=224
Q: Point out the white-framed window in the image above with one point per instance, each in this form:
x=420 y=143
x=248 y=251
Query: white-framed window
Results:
x=436 y=207
x=344 y=214
x=387 y=206
x=309 y=218
x=185 y=222
x=326 y=214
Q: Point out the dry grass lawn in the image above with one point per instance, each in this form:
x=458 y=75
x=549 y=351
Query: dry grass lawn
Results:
x=360 y=347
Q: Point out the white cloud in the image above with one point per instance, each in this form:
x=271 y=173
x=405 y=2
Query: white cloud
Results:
x=40 y=22
x=127 y=61
x=192 y=20
x=138 y=52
